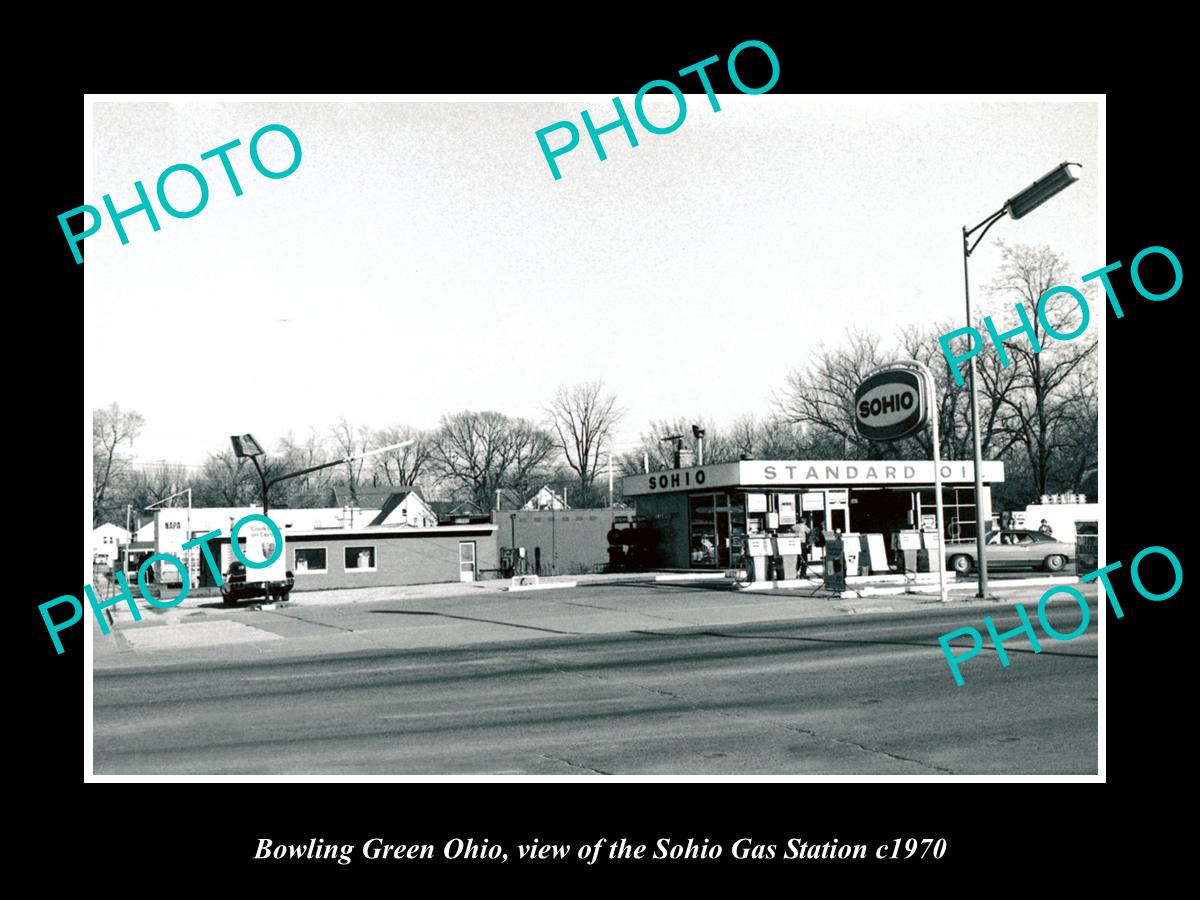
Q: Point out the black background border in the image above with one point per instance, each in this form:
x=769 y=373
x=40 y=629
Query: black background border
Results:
x=211 y=830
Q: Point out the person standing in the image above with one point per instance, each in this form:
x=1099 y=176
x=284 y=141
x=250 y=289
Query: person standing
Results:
x=1045 y=528
x=805 y=535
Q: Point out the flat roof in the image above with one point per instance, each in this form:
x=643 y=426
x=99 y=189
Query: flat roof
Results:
x=811 y=473
x=384 y=531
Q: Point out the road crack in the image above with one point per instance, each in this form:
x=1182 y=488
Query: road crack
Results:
x=308 y=621
x=841 y=741
x=796 y=729
x=567 y=762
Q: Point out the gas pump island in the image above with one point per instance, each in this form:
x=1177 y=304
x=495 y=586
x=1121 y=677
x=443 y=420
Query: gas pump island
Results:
x=862 y=516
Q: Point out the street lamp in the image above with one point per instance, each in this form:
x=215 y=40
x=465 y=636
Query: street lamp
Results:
x=246 y=447
x=1016 y=207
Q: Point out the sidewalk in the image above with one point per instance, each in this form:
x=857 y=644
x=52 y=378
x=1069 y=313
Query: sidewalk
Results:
x=339 y=596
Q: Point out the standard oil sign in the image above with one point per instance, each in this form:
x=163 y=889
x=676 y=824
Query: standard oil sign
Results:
x=890 y=405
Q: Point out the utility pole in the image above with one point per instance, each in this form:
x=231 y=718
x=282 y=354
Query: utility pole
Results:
x=677 y=439
x=188 y=528
x=610 y=481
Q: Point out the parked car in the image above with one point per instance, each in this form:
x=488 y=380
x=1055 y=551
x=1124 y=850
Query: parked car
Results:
x=235 y=587
x=1009 y=549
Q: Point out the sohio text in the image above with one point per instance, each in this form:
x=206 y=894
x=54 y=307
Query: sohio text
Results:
x=892 y=403
x=676 y=480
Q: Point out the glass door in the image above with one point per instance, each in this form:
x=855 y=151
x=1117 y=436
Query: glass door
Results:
x=466 y=561
x=723 y=539
x=702 y=531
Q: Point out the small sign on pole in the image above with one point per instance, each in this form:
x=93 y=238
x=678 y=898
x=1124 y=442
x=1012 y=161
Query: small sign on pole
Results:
x=894 y=402
x=260 y=547
x=890 y=404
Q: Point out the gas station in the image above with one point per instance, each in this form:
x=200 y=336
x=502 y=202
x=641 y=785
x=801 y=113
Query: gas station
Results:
x=851 y=518
x=719 y=516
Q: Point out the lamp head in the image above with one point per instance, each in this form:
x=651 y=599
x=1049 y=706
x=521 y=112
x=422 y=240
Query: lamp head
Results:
x=1057 y=179
x=245 y=446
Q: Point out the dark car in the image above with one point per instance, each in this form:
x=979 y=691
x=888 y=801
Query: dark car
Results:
x=235 y=587
x=1012 y=550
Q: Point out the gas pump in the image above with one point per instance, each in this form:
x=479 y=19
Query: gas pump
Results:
x=758 y=555
x=789 y=547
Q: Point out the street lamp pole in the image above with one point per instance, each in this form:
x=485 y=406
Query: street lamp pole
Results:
x=980 y=556
x=245 y=446
x=1015 y=207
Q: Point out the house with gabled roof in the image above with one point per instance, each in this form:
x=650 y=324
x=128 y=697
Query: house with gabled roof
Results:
x=406 y=507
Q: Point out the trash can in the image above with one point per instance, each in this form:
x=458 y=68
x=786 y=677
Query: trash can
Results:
x=852 y=552
x=835 y=562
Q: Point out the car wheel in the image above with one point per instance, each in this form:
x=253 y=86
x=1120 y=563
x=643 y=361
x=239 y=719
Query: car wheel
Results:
x=1054 y=563
x=961 y=564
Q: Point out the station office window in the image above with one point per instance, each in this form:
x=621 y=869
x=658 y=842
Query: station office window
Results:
x=360 y=559
x=311 y=560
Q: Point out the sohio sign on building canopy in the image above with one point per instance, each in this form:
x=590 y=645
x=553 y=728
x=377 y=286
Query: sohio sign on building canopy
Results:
x=809 y=473
x=890 y=405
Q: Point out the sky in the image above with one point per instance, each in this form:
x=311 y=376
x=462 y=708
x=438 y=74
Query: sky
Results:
x=422 y=259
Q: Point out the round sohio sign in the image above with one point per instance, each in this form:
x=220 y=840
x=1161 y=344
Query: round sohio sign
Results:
x=890 y=405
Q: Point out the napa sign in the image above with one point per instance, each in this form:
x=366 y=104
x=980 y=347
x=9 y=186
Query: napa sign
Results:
x=890 y=405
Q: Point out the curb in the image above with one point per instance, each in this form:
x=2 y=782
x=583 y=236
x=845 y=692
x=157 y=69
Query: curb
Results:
x=540 y=587
x=933 y=588
x=790 y=584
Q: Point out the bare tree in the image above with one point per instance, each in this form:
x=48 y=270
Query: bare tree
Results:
x=820 y=394
x=582 y=417
x=1039 y=401
x=1080 y=473
x=111 y=427
x=312 y=489
x=479 y=453
x=225 y=481
x=146 y=485
x=997 y=433
x=530 y=452
x=769 y=438
x=406 y=465
x=351 y=440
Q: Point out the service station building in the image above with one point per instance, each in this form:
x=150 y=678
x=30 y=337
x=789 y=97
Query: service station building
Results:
x=703 y=513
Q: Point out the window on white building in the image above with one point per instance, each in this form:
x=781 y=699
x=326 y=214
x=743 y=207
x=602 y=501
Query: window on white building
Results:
x=360 y=559
x=310 y=560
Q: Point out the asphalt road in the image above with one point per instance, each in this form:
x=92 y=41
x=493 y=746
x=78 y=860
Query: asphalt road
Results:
x=865 y=694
